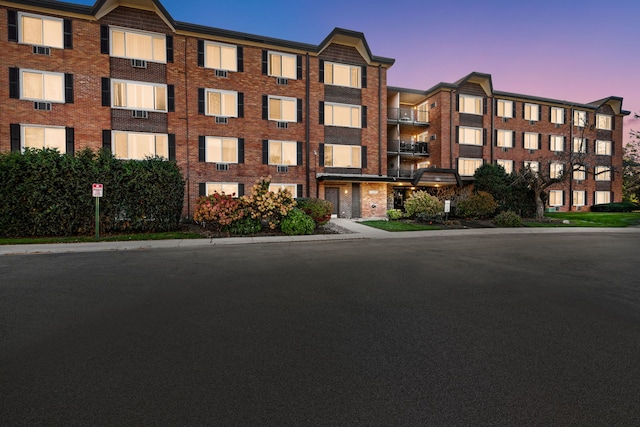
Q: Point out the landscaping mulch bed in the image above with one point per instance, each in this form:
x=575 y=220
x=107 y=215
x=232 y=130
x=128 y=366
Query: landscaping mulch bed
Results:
x=210 y=233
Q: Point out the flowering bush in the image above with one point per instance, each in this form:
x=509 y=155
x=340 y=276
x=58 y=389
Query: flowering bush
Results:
x=318 y=209
x=221 y=210
x=266 y=205
x=423 y=203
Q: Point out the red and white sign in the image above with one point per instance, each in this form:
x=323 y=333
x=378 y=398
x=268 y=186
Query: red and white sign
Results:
x=97 y=190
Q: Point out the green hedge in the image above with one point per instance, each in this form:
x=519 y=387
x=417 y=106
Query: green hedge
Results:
x=44 y=193
x=616 y=207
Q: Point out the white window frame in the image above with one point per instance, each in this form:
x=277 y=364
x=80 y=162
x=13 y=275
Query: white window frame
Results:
x=354 y=161
x=209 y=59
x=603 y=148
x=579 y=173
x=554 y=195
x=159 y=58
x=602 y=173
x=330 y=73
x=281 y=157
x=531 y=141
x=504 y=108
x=465 y=164
x=579 y=145
x=470 y=104
x=270 y=58
x=283 y=100
x=557 y=143
x=580 y=118
x=529 y=108
x=156 y=152
x=506 y=164
x=128 y=83
x=214 y=149
x=223 y=102
x=556 y=170
x=44 y=88
x=557 y=115
x=470 y=135
x=212 y=188
x=291 y=188
x=61 y=146
x=51 y=19
x=604 y=122
x=501 y=138
x=579 y=198
x=329 y=114
x=602 y=197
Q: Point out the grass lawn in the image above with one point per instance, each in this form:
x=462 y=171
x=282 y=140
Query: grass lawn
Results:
x=399 y=226
x=109 y=238
x=589 y=219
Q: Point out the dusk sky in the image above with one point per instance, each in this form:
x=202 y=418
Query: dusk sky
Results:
x=562 y=49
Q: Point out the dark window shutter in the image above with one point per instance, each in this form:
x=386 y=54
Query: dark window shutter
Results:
x=363 y=117
x=457 y=134
x=495 y=138
x=299 y=67
x=12 y=21
x=106 y=92
x=299 y=190
x=104 y=39
x=513 y=138
x=321 y=155
x=68 y=88
x=564 y=143
x=564 y=115
x=240 y=58
x=484 y=105
x=613 y=122
x=523 y=140
x=513 y=104
x=321 y=72
x=550 y=108
x=14 y=83
x=241 y=104
x=523 y=110
x=299 y=118
x=240 y=190
x=172 y=146
x=299 y=153
x=539 y=141
x=364 y=157
x=15 y=136
x=201 y=108
x=265 y=152
x=265 y=107
x=264 y=62
x=484 y=136
x=202 y=189
x=458 y=102
x=68 y=34
x=549 y=143
x=364 y=77
x=106 y=140
x=200 y=53
x=201 y=149
x=169 y=41
x=171 y=98
x=613 y=148
x=240 y=150
x=321 y=112
x=586 y=144
x=70 y=140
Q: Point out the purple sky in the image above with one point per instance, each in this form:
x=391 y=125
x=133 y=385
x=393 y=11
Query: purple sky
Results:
x=561 y=49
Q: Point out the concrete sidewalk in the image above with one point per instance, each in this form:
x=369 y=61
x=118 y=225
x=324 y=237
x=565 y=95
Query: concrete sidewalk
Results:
x=353 y=230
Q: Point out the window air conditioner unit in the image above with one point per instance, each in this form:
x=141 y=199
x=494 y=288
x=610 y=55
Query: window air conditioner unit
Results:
x=532 y=122
x=44 y=106
x=578 y=208
x=531 y=151
x=140 y=114
x=282 y=168
x=222 y=73
x=282 y=81
x=138 y=63
x=505 y=119
x=222 y=120
x=433 y=137
x=283 y=125
x=41 y=50
x=222 y=166
x=505 y=149
x=557 y=125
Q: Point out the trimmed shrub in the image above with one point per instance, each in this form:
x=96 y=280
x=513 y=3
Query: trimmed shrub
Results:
x=394 y=214
x=319 y=210
x=423 y=203
x=296 y=222
x=477 y=206
x=616 y=207
x=244 y=226
x=508 y=219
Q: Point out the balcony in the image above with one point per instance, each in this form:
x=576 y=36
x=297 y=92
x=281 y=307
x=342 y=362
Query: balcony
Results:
x=408 y=116
x=401 y=173
x=408 y=147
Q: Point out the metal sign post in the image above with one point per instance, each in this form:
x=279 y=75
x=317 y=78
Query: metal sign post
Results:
x=97 y=192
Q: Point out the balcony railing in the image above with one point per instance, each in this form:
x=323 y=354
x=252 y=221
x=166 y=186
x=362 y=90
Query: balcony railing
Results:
x=408 y=147
x=408 y=116
x=401 y=173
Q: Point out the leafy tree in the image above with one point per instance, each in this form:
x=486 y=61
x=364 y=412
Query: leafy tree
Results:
x=631 y=167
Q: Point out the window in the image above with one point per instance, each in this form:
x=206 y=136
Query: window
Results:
x=41 y=30
x=423 y=137
x=42 y=86
x=579 y=172
x=282 y=65
x=467 y=167
x=220 y=56
x=41 y=137
x=282 y=109
x=504 y=138
x=506 y=164
x=138 y=146
x=579 y=198
x=138 y=96
x=532 y=112
x=556 y=170
x=505 y=108
x=471 y=136
x=470 y=104
x=342 y=75
x=342 y=115
x=579 y=145
x=533 y=165
x=138 y=45
x=283 y=153
x=228 y=188
x=291 y=188
x=422 y=113
x=555 y=198
x=603 y=173
x=603 y=122
x=342 y=156
x=556 y=143
x=580 y=118
x=603 y=147
x=221 y=150
x=531 y=141
x=221 y=103
x=602 y=197
x=557 y=115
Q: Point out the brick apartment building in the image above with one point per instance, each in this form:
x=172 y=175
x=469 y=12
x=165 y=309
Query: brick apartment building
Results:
x=231 y=107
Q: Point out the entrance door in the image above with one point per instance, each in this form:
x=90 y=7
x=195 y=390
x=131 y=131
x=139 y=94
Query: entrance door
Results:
x=332 y=194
